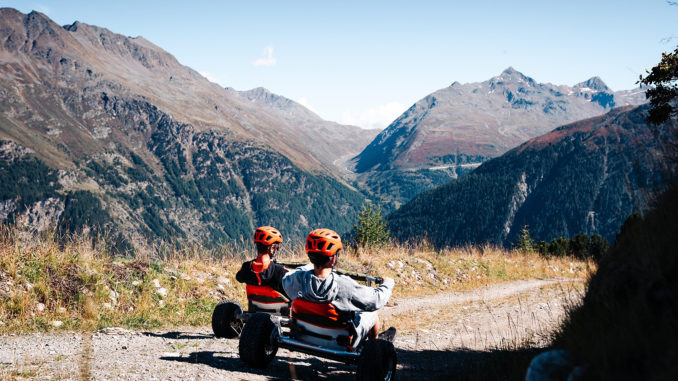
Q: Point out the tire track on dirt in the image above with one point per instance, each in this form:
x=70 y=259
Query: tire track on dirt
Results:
x=491 y=292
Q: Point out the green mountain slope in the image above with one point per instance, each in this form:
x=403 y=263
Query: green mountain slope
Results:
x=586 y=177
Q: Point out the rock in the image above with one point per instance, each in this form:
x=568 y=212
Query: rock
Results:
x=395 y=265
x=185 y=277
x=108 y=306
x=136 y=283
x=223 y=280
x=61 y=310
x=57 y=323
x=162 y=291
x=429 y=265
x=156 y=283
x=553 y=365
x=40 y=307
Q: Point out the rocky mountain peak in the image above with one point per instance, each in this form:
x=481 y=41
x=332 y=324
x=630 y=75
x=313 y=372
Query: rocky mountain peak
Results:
x=594 y=83
x=37 y=24
x=513 y=75
x=259 y=92
x=510 y=76
x=264 y=96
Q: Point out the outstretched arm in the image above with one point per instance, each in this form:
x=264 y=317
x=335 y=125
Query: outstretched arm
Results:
x=371 y=299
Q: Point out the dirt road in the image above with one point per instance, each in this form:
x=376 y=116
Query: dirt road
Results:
x=437 y=335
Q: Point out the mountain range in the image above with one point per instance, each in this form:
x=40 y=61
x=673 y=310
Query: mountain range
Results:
x=587 y=177
x=111 y=134
x=111 y=131
x=456 y=128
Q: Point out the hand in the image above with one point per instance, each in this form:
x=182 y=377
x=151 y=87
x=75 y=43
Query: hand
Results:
x=386 y=279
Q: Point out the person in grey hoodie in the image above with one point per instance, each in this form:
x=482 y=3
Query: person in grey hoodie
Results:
x=316 y=282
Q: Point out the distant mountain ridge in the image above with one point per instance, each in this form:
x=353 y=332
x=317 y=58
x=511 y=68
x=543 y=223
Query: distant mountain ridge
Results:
x=586 y=177
x=455 y=129
x=333 y=143
x=485 y=119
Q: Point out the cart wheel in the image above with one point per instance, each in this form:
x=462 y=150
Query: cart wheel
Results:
x=256 y=347
x=377 y=361
x=224 y=319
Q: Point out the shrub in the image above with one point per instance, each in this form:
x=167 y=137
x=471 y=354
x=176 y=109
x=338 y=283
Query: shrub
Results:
x=371 y=230
x=598 y=247
x=525 y=242
x=579 y=245
x=559 y=247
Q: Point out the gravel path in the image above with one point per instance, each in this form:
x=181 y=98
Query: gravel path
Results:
x=436 y=335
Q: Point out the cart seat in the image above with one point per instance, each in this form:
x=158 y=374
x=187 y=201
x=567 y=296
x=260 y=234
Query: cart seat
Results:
x=321 y=324
x=266 y=299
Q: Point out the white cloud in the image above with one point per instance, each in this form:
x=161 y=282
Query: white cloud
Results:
x=304 y=102
x=218 y=79
x=266 y=58
x=377 y=117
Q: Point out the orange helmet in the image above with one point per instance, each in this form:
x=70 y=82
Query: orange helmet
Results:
x=323 y=241
x=267 y=235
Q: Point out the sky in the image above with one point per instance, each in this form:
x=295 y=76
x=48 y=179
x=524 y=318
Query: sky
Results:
x=365 y=62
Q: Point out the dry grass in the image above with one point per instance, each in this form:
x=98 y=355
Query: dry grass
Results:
x=45 y=285
x=421 y=270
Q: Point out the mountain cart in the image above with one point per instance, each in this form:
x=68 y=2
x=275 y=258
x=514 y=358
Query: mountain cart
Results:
x=320 y=330
x=228 y=317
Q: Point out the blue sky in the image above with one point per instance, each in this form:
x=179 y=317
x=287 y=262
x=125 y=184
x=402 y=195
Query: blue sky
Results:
x=364 y=63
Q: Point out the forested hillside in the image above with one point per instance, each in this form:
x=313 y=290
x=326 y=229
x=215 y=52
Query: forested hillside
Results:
x=586 y=177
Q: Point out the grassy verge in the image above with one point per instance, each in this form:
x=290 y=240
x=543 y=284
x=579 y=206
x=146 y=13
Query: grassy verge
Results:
x=46 y=286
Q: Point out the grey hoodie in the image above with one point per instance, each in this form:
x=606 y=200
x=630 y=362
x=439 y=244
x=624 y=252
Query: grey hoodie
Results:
x=342 y=291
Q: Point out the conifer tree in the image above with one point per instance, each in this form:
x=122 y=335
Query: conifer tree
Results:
x=371 y=230
x=525 y=241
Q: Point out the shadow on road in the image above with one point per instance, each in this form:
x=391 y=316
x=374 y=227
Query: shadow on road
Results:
x=412 y=365
x=464 y=364
x=281 y=368
x=179 y=335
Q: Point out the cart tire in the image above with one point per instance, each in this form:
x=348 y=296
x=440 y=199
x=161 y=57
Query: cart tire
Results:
x=256 y=347
x=224 y=320
x=377 y=361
